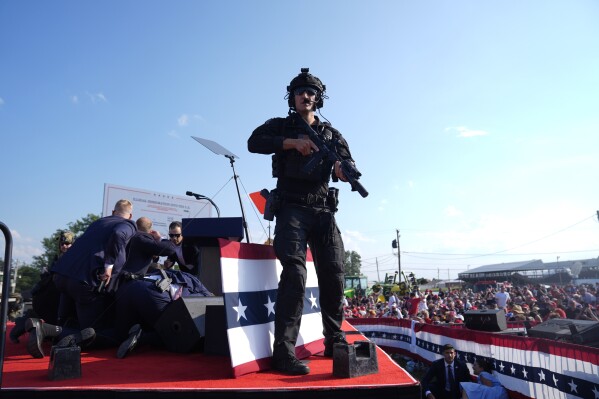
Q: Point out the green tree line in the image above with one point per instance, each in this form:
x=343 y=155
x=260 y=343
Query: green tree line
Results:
x=29 y=274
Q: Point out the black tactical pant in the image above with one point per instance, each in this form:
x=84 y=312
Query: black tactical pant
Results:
x=296 y=227
x=139 y=302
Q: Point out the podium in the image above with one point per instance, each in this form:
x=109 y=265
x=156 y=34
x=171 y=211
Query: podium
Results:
x=201 y=247
x=206 y=230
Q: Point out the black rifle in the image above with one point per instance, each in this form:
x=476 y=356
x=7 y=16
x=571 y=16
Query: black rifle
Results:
x=349 y=170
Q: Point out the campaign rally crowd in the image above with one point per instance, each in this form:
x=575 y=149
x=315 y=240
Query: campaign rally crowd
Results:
x=533 y=303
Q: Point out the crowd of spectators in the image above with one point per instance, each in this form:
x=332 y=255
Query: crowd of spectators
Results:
x=532 y=303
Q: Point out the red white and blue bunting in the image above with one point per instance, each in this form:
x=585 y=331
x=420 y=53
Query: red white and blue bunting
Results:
x=532 y=367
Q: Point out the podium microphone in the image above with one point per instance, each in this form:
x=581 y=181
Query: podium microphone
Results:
x=198 y=196
x=203 y=197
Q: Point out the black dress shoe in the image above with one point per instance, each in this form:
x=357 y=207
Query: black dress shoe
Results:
x=82 y=338
x=130 y=343
x=290 y=365
x=36 y=338
x=328 y=348
x=18 y=329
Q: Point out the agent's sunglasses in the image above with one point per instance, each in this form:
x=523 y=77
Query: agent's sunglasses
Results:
x=305 y=89
x=174 y=235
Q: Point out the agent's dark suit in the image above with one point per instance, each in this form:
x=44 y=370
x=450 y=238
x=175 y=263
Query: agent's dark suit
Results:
x=191 y=252
x=141 y=249
x=141 y=302
x=75 y=273
x=435 y=379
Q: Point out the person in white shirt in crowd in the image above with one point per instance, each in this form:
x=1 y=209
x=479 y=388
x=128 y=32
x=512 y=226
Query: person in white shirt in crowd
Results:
x=467 y=304
x=422 y=305
x=393 y=300
x=394 y=312
x=502 y=298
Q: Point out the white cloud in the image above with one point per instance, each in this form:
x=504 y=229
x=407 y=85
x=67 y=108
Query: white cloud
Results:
x=1 y=101
x=25 y=252
x=452 y=211
x=24 y=248
x=356 y=235
x=75 y=99
x=521 y=235
x=97 y=97
x=173 y=134
x=353 y=239
x=183 y=120
x=383 y=204
x=463 y=131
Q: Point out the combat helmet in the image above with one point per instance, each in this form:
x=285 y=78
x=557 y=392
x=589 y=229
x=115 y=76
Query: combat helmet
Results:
x=66 y=236
x=305 y=78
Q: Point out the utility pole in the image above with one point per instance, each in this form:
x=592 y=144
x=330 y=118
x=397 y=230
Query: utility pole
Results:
x=378 y=275
x=14 y=281
x=558 y=271
x=395 y=244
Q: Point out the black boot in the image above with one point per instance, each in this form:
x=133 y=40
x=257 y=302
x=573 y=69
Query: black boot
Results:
x=289 y=365
x=36 y=338
x=83 y=338
x=18 y=329
x=130 y=343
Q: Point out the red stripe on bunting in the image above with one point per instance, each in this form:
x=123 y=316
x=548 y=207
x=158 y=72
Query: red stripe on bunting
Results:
x=564 y=349
x=239 y=250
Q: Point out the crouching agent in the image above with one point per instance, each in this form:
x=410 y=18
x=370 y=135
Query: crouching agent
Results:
x=139 y=304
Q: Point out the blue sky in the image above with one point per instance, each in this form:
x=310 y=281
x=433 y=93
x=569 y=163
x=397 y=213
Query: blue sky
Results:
x=474 y=123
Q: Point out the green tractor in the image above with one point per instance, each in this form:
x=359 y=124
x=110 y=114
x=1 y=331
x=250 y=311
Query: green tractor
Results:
x=355 y=285
x=391 y=285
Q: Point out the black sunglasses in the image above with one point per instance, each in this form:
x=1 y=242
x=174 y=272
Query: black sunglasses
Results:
x=174 y=235
x=305 y=89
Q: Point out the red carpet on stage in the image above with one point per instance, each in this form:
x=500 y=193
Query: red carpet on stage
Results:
x=155 y=369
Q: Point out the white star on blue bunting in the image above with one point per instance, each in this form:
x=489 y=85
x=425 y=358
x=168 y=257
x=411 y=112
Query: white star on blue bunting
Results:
x=240 y=310
x=313 y=300
x=270 y=306
x=573 y=386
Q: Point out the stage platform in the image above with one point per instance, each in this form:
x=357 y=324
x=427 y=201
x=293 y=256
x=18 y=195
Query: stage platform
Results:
x=155 y=373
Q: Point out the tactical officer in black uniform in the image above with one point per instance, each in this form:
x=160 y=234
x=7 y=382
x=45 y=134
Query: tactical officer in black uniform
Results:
x=304 y=207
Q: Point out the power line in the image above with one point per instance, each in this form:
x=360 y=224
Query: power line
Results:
x=539 y=239
x=471 y=256
x=481 y=255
